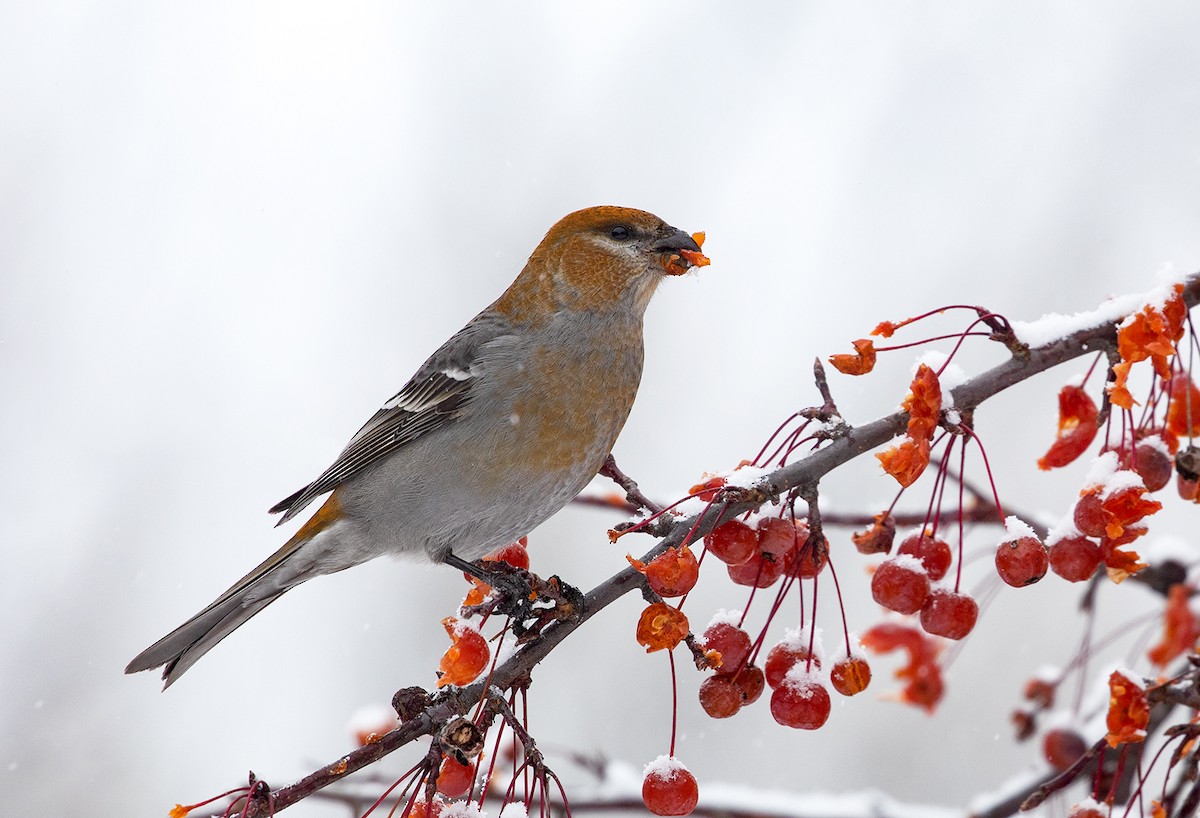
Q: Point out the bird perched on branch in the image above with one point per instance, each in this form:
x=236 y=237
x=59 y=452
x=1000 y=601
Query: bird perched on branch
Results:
x=496 y=432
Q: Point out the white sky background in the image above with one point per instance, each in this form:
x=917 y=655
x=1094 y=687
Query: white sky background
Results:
x=228 y=231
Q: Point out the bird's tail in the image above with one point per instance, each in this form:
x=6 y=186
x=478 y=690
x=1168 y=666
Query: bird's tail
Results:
x=182 y=647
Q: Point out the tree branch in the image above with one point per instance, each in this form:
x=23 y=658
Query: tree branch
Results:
x=802 y=474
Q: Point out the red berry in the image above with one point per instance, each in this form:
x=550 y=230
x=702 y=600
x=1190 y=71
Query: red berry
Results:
x=933 y=553
x=720 y=696
x=900 y=584
x=850 y=675
x=1063 y=747
x=759 y=572
x=1022 y=562
x=783 y=657
x=1089 y=515
x=803 y=705
x=513 y=553
x=776 y=537
x=750 y=680
x=434 y=809
x=669 y=789
x=1088 y=809
x=809 y=557
x=707 y=491
x=1075 y=558
x=732 y=542
x=949 y=614
x=1153 y=465
x=731 y=642
x=455 y=779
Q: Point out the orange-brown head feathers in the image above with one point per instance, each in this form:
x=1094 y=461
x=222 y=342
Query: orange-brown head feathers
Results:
x=600 y=259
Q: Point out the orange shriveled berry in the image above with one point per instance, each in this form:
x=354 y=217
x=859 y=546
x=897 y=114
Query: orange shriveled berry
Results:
x=672 y=573
x=878 y=538
x=668 y=788
x=1181 y=629
x=1150 y=333
x=661 y=627
x=695 y=259
x=850 y=675
x=924 y=686
x=1183 y=410
x=467 y=655
x=1077 y=414
x=1125 y=507
x=707 y=490
x=906 y=461
x=860 y=363
x=1128 y=710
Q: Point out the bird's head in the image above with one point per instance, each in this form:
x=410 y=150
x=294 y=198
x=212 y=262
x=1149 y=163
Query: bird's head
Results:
x=602 y=259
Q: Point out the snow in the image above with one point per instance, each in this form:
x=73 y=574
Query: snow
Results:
x=909 y=561
x=799 y=677
x=461 y=809
x=856 y=649
x=1050 y=328
x=622 y=783
x=798 y=639
x=1107 y=473
x=514 y=809
x=949 y=375
x=1064 y=529
x=664 y=767
x=724 y=617
x=373 y=718
x=1017 y=528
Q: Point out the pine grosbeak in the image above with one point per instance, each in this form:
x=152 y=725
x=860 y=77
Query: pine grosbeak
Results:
x=497 y=431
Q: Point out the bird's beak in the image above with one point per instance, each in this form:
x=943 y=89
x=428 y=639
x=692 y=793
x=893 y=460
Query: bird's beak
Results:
x=679 y=252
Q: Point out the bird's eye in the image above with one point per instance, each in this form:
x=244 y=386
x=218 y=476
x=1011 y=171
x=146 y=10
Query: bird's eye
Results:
x=620 y=232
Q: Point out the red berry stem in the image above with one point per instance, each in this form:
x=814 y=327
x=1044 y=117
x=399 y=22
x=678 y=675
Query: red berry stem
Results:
x=837 y=589
x=962 y=486
x=674 y=700
x=771 y=439
x=923 y=341
x=987 y=467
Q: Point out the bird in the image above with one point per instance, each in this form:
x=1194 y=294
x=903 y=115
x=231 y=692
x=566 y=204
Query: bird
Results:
x=499 y=429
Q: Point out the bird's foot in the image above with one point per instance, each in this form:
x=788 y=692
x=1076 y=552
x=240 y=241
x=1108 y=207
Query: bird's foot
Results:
x=529 y=601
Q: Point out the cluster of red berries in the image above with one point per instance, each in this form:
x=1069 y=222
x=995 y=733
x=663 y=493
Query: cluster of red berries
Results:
x=757 y=557
x=799 y=698
x=904 y=583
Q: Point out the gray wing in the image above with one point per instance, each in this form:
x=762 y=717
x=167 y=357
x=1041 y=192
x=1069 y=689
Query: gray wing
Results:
x=436 y=395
